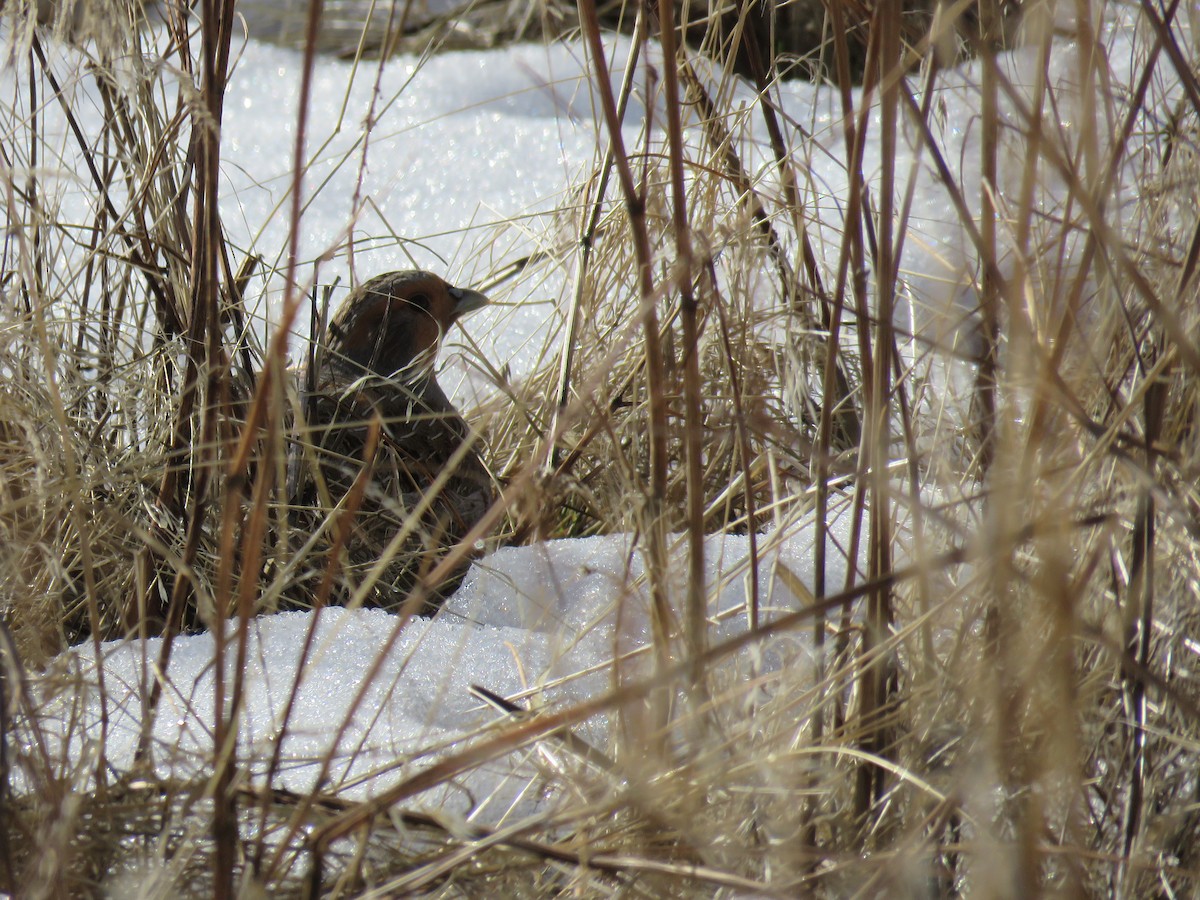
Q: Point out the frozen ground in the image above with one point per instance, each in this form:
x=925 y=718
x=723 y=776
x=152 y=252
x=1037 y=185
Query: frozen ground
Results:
x=537 y=625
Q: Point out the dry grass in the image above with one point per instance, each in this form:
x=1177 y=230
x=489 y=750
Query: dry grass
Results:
x=1005 y=700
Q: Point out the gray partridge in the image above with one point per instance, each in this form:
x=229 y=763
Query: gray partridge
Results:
x=422 y=490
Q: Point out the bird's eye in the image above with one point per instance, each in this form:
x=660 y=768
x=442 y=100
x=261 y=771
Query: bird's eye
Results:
x=420 y=301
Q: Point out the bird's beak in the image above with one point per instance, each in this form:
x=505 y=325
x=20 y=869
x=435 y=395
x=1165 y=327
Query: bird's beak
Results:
x=467 y=300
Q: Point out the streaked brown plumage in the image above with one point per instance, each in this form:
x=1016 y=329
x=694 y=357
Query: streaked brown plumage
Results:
x=378 y=359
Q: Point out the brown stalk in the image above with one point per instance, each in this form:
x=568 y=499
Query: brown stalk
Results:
x=989 y=299
x=205 y=332
x=695 y=615
x=1139 y=629
x=587 y=238
x=635 y=205
x=876 y=682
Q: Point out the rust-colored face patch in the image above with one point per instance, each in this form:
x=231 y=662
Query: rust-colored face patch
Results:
x=395 y=322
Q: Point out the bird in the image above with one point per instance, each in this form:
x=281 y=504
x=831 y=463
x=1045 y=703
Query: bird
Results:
x=422 y=483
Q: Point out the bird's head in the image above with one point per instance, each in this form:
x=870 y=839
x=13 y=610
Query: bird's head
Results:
x=392 y=324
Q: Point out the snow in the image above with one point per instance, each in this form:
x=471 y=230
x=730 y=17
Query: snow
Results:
x=374 y=698
x=471 y=158
x=517 y=130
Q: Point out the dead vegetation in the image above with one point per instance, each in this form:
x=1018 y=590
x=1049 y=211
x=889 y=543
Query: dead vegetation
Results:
x=1005 y=702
